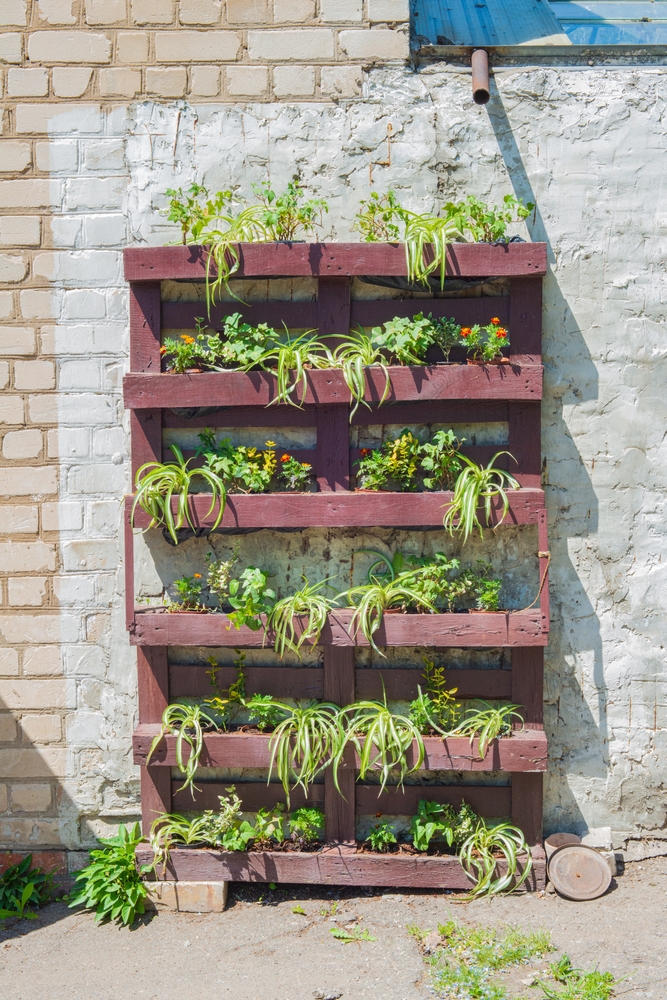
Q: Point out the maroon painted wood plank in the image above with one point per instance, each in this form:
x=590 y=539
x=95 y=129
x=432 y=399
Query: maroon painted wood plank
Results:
x=502 y=382
x=331 y=866
x=152 y=683
x=155 y=795
x=465 y=260
x=524 y=751
x=527 y=684
x=339 y=688
x=342 y=510
x=295 y=315
x=128 y=571
x=525 y=443
x=254 y=795
x=527 y=805
x=521 y=628
x=333 y=306
x=191 y=681
x=525 y=316
x=443 y=411
x=146 y=437
x=333 y=451
x=467 y=312
x=145 y=327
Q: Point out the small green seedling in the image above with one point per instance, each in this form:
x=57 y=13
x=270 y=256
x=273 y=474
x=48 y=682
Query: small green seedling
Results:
x=348 y=937
x=299 y=910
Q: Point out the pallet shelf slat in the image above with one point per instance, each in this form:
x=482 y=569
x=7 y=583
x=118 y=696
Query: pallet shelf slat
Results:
x=444 y=394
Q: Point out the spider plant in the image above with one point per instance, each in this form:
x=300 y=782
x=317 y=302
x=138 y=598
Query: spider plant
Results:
x=303 y=743
x=221 y=238
x=353 y=356
x=479 y=862
x=371 y=600
x=488 y=723
x=474 y=485
x=186 y=723
x=158 y=482
x=309 y=602
x=290 y=362
x=422 y=231
x=381 y=738
x=221 y=829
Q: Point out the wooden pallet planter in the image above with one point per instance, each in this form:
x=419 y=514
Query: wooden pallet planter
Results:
x=435 y=393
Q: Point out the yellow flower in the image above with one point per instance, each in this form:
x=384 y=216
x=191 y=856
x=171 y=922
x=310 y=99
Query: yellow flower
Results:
x=188 y=340
x=197 y=576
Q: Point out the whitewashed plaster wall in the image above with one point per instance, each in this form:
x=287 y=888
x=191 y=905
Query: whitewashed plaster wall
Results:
x=587 y=145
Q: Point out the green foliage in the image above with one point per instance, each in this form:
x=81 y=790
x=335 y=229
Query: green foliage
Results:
x=250 y=597
x=476 y=486
x=290 y=360
x=484 y=343
x=188 y=351
x=22 y=886
x=437 y=708
x=488 y=723
x=377 y=218
x=405 y=341
x=395 y=462
x=220 y=575
x=440 y=458
x=579 y=985
x=441 y=823
x=188 y=590
x=355 y=934
x=245 y=470
x=241 y=345
x=382 y=740
x=483 y=223
x=357 y=352
x=287 y=215
x=294 y=475
x=158 y=482
x=265 y=713
x=303 y=743
x=307 y=825
x=213 y=829
x=193 y=211
x=110 y=885
x=371 y=600
x=308 y=602
x=186 y=723
x=465 y=964
x=478 y=858
x=269 y=825
x=381 y=837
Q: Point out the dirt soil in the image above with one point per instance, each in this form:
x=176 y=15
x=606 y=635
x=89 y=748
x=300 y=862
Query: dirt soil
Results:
x=260 y=950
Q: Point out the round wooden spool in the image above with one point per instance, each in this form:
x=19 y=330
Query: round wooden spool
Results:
x=578 y=872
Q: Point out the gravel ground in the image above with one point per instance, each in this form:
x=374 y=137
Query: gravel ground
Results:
x=260 y=950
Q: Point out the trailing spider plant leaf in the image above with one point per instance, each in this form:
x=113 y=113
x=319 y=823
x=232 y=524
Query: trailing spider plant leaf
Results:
x=309 y=602
x=303 y=743
x=479 y=862
x=353 y=356
x=381 y=739
x=474 y=485
x=371 y=600
x=158 y=482
x=422 y=231
x=186 y=723
x=290 y=362
x=488 y=722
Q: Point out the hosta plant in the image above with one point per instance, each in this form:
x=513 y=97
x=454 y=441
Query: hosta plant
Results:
x=158 y=482
x=23 y=887
x=478 y=856
x=110 y=885
x=187 y=724
x=381 y=739
x=309 y=603
x=478 y=486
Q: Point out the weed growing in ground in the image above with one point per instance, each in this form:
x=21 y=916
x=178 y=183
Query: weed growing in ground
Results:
x=578 y=985
x=299 y=910
x=348 y=937
x=463 y=967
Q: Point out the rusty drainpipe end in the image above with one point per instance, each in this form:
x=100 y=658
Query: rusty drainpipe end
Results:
x=480 y=76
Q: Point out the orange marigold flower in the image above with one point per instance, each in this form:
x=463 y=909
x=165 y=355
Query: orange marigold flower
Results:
x=197 y=576
x=465 y=331
x=187 y=339
x=163 y=350
x=365 y=451
x=495 y=321
x=500 y=332
x=285 y=457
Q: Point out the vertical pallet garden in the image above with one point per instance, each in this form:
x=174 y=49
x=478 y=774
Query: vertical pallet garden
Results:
x=440 y=393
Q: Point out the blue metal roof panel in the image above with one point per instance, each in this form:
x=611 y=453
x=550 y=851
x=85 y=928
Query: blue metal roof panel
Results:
x=488 y=22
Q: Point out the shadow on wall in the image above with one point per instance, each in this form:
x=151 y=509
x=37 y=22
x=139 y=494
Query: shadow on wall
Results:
x=575 y=643
x=33 y=802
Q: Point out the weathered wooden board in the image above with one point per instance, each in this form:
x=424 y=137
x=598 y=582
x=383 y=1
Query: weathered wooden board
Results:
x=191 y=680
x=521 y=628
x=502 y=382
x=332 y=260
x=331 y=866
x=523 y=751
x=341 y=510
